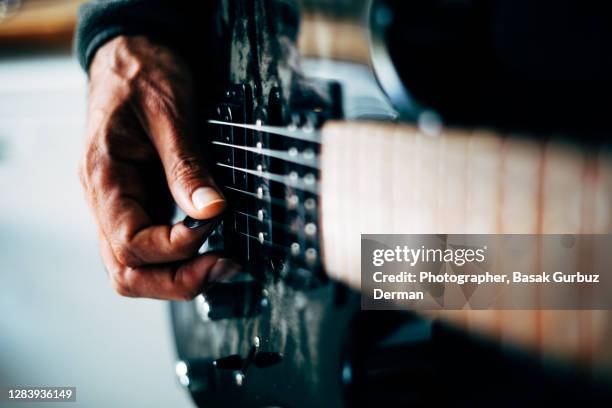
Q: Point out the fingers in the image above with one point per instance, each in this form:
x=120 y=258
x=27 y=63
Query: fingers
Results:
x=178 y=281
x=188 y=177
x=116 y=194
x=140 y=113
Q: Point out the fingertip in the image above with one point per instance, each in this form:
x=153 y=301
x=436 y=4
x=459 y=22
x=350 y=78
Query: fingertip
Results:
x=207 y=202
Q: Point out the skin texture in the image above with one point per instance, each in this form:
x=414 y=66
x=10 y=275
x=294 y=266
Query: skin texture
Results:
x=140 y=158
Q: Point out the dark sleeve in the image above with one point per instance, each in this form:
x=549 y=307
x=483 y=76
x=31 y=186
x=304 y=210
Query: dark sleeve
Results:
x=101 y=20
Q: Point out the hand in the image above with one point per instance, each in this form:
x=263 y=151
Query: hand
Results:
x=140 y=154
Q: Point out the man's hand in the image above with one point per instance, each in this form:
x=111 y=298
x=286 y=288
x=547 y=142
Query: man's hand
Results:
x=140 y=153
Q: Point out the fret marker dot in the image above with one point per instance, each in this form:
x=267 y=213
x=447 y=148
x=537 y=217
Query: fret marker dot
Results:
x=293 y=152
x=259 y=146
x=260 y=192
x=258 y=123
x=261 y=237
x=293 y=176
x=260 y=215
x=259 y=168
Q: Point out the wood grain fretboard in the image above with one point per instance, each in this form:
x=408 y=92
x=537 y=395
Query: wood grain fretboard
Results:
x=386 y=178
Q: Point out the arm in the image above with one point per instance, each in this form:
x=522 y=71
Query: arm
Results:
x=141 y=153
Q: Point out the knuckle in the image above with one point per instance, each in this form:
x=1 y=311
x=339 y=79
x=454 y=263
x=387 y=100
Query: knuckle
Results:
x=90 y=162
x=187 y=249
x=120 y=284
x=125 y=253
x=124 y=59
x=188 y=288
x=185 y=169
x=102 y=177
x=121 y=289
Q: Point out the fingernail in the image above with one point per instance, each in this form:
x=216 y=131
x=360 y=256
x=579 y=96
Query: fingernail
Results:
x=192 y=223
x=205 y=196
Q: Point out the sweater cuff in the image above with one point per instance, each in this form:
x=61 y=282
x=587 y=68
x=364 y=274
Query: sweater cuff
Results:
x=100 y=22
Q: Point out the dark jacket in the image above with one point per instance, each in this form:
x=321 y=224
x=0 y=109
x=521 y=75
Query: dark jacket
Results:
x=176 y=23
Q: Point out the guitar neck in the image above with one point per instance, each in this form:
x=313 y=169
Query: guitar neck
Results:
x=386 y=178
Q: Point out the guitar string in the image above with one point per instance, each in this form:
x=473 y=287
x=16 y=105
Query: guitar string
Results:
x=268 y=243
x=305 y=184
x=303 y=134
x=278 y=225
x=266 y=199
x=287 y=180
x=287 y=156
x=298 y=205
x=310 y=136
x=265 y=243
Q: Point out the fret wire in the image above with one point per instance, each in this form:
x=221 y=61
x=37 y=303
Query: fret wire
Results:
x=308 y=136
x=274 y=201
x=276 y=178
x=271 y=200
x=277 y=224
x=278 y=154
x=266 y=243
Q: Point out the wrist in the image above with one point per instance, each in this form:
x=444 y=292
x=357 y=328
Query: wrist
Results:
x=122 y=55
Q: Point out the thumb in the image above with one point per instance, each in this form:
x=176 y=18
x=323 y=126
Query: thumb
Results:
x=193 y=188
x=189 y=180
x=168 y=120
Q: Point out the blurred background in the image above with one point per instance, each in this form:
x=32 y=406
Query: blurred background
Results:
x=61 y=323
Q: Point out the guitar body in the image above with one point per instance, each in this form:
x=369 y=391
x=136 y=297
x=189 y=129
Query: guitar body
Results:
x=279 y=306
x=280 y=333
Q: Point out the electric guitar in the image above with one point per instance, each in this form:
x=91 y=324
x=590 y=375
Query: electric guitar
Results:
x=316 y=137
